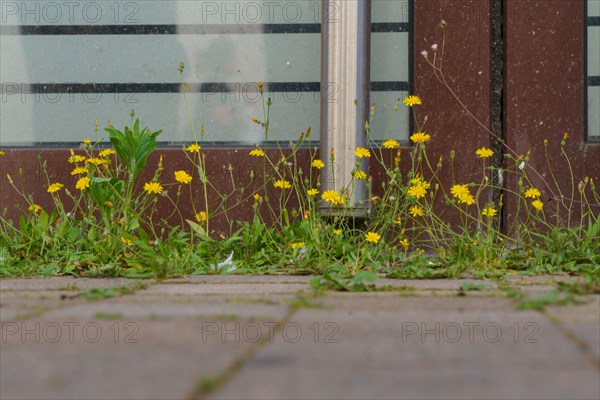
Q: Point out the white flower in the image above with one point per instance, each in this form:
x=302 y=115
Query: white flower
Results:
x=424 y=53
x=434 y=47
x=522 y=165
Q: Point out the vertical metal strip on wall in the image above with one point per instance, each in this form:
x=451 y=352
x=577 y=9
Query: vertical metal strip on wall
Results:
x=345 y=91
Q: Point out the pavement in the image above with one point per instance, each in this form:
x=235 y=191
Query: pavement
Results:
x=272 y=337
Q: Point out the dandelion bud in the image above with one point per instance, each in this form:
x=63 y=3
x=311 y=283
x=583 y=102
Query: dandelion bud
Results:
x=424 y=54
x=260 y=85
x=434 y=47
x=181 y=66
x=545 y=142
x=443 y=24
x=9 y=179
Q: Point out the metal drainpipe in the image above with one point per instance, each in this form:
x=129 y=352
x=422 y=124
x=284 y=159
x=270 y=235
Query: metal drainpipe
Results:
x=345 y=96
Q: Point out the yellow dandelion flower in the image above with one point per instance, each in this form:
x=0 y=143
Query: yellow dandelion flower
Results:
x=97 y=161
x=73 y=159
x=282 y=184
x=2 y=153
x=153 y=188
x=416 y=211
x=257 y=197
x=489 y=212
x=462 y=194
x=108 y=204
x=126 y=242
x=313 y=192
x=404 y=243
x=420 y=137
x=372 y=237
x=107 y=153
x=420 y=182
x=417 y=191
x=298 y=245
x=201 y=216
x=337 y=232
x=459 y=190
x=318 y=164
x=257 y=153
x=533 y=193
x=484 y=152
x=360 y=174
x=193 y=148
x=412 y=100
x=55 y=187
x=86 y=141
x=35 y=208
x=183 y=177
x=361 y=152
x=538 y=205
x=391 y=144
x=333 y=197
x=79 y=171
x=83 y=183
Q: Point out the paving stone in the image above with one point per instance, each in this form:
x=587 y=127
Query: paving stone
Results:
x=172 y=307
x=378 y=356
x=402 y=343
x=166 y=361
x=255 y=289
x=60 y=283
x=582 y=321
x=243 y=279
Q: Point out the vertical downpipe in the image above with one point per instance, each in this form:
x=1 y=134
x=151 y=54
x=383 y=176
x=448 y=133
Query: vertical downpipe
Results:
x=345 y=96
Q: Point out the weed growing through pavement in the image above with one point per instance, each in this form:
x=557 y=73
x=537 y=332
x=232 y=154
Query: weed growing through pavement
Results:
x=419 y=225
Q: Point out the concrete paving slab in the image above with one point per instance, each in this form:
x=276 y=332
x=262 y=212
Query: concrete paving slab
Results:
x=173 y=307
x=62 y=283
x=227 y=289
x=416 y=352
x=582 y=321
x=242 y=279
x=110 y=359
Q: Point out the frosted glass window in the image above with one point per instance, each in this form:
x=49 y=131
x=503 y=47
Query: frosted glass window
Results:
x=593 y=69
x=65 y=64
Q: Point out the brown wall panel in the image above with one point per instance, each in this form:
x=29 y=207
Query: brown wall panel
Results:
x=33 y=181
x=467 y=69
x=545 y=91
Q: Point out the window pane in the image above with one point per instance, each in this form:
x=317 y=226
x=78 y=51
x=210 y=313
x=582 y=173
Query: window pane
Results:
x=594 y=8
x=65 y=64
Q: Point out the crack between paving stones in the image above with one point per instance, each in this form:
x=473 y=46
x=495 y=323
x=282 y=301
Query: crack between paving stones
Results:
x=225 y=375
x=573 y=338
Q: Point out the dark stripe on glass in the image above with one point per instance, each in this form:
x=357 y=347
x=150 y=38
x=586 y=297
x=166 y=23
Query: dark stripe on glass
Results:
x=209 y=87
x=206 y=29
